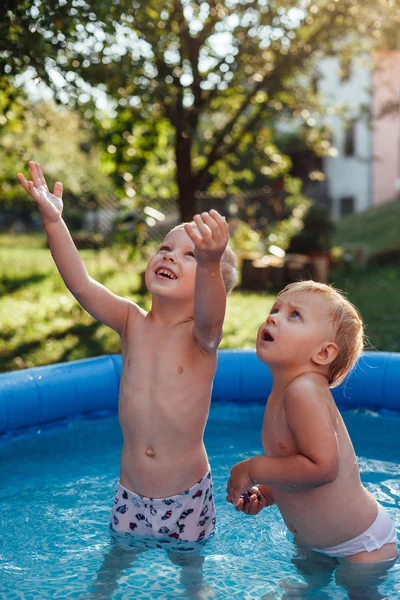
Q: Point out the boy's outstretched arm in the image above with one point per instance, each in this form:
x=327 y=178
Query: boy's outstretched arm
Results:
x=102 y=304
x=210 y=295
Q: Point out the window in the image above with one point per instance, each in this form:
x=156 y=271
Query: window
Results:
x=345 y=67
x=350 y=139
x=346 y=205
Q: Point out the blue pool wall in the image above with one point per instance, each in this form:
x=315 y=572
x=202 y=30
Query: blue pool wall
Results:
x=33 y=397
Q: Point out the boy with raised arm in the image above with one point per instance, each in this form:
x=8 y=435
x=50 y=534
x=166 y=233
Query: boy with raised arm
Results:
x=310 y=340
x=169 y=361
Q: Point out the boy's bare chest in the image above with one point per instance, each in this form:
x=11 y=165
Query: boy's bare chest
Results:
x=277 y=439
x=157 y=355
x=155 y=361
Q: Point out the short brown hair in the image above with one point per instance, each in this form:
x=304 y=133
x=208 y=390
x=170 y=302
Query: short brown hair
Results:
x=228 y=262
x=347 y=323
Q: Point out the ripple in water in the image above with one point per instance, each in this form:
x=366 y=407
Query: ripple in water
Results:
x=56 y=494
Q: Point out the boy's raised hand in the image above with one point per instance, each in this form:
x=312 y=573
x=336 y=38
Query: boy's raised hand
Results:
x=50 y=204
x=211 y=238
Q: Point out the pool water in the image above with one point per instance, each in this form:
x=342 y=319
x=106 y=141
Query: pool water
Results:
x=56 y=491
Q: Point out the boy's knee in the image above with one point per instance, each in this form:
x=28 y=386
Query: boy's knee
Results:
x=183 y=559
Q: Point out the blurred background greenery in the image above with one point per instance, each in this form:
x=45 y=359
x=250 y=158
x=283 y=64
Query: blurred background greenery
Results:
x=151 y=113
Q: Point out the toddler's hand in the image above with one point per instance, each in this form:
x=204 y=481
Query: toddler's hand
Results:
x=50 y=205
x=239 y=482
x=212 y=237
x=252 y=502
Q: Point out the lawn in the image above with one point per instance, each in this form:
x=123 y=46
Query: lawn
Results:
x=377 y=229
x=376 y=294
x=41 y=323
x=375 y=291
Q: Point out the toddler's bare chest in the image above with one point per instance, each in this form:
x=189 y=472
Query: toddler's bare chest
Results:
x=277 y=439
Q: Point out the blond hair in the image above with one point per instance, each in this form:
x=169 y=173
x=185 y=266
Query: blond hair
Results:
x=228 y=262
x=347 y=324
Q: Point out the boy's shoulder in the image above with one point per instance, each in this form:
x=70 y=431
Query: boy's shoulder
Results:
x=135 y=312
x=135 y=315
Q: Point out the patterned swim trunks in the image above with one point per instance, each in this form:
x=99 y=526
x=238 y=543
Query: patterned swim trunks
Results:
x=180 y=523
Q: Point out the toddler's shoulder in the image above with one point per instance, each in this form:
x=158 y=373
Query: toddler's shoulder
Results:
x=304 y=386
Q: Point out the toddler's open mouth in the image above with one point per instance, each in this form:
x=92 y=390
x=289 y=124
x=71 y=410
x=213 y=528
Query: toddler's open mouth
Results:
x=267 y=337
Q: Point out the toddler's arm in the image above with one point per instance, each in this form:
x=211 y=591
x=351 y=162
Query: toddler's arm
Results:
x=210 y=295
x=316 y=461
x=102 y=304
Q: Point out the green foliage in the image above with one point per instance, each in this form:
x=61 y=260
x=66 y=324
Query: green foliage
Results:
x=296 y=206
x=217 y=75
x=316 y=233
x=131 y=235
x=244 y=238
x=56 y=139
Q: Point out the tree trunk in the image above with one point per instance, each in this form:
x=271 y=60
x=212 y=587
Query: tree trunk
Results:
x=184 y=176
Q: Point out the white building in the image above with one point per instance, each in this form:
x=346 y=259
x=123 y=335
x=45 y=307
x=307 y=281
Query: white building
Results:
x=366 y=170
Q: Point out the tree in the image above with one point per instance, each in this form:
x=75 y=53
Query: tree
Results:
x=214 y=74
x=57 y=139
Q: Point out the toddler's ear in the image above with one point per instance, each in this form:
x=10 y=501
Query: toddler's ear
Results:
x=326 y=354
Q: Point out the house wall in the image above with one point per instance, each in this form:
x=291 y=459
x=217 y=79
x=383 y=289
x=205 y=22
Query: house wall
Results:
x=386 y=129
x=347 y=176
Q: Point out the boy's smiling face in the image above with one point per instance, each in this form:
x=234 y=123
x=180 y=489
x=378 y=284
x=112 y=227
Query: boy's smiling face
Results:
x=172 y=270
x=297 y=327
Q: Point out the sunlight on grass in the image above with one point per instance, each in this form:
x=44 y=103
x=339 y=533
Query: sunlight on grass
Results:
x=244 y=314
x=376 y=294
x=41 y=323
x=376 y=228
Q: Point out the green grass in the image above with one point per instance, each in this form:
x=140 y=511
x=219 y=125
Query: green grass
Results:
x=376 y=294
x=28 y=241
x=374 y=291
x=377 y=229
x=41 y=323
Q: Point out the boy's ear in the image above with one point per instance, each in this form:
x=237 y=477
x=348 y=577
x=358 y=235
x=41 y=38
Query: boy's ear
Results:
x=326 y=354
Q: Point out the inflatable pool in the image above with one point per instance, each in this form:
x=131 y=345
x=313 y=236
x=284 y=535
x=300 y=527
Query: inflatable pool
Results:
x=58 y=472
x=33 y=397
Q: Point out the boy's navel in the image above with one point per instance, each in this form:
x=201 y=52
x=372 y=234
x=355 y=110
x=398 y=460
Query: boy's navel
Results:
x=150 y=452
x=180 y=370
